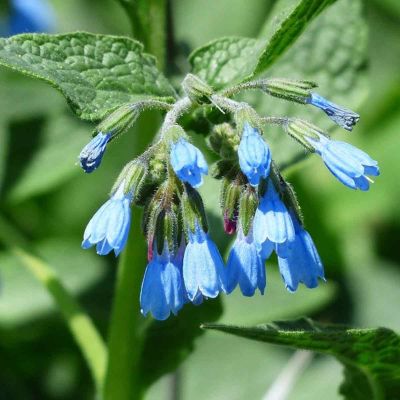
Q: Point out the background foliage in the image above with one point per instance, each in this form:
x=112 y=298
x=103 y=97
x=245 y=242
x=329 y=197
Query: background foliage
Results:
x=46 y=201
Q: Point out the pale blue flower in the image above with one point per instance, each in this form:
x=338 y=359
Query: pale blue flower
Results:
x=245 y=266
x=254 y=155
x=162 y=289
x=92 y=154
x=203 y=267
x=188 y=162
x=349 y=165
x=300 y=262
x=272 y=221
x=30 y=16
x=109 y=227
x=340 y=115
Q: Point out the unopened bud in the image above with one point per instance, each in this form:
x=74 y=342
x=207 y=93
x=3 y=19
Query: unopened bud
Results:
x=197 y=90
x=229 y=198
x=289 y=89
x=224 y=140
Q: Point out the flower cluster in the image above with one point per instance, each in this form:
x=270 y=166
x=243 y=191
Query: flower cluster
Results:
x=184 y=264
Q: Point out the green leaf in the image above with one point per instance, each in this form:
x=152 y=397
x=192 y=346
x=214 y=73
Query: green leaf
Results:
x=95 y=73
x=23 y=298
x=168 y=343
x=370 y=356
x=234 y=59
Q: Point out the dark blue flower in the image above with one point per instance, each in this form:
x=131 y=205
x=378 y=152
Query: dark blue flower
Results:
x=299 y=261
x=254 y=155
x=109 y=227
x=92 y=154
x=188 y=162
x=30 y=16
x=162 y=290
x=245 y=266
x=349 y=165
x=340 y=115
x=203 y=267
x=272 y=220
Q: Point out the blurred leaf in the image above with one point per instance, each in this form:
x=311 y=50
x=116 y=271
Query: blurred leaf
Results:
x=53 y=163
x=96 y=73
x=370 y=356
x=23 y=299
x=168 y=343
x=234 y=59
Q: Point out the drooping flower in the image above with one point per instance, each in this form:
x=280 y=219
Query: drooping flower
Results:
x=254 y=155
x=92 y=154
x=245 y=266
x=30 y=16
x=162 y=289
x=203 y=267
x=340 y=115
x=349 y=165
x=299 y=262
x=188 y=162
x=109 y=227
x=272 y=220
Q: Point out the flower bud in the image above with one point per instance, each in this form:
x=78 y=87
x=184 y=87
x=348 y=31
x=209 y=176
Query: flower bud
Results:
x=229 y=199
x=289 y=89
x=224 y=140
x=247 y=208
x=197 y=90
x=120 y=120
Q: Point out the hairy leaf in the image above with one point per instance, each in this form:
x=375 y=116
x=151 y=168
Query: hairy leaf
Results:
x=96 y=73
x=233 y=59
x=371 y=357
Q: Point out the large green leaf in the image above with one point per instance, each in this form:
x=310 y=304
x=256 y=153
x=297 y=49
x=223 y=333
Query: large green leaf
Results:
x=96 y=73
x=234 y=59
x=371 y=357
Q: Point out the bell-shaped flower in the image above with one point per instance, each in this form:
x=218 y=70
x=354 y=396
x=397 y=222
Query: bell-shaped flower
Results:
x=245 y=266
x=340 y=115
x=203 y=267
x=348 y=164
x=92 y=154
x=188 y=162
x=109 y=227
x=254 y=155
x=162 y=290
x=300 y=262
x=272 y=220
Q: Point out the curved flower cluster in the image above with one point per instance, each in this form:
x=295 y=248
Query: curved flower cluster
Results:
x=184 y=264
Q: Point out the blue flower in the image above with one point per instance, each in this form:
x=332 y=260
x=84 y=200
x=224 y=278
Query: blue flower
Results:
x=272 y=220
x=92 y=154
x=188 y=162
x=300 y=262
x=340 y=115
x=254 y=155
x=203 y=267
x=162 y=290
x=30 y=16
x=245 y=266
x=109 y=227
x=349 y=165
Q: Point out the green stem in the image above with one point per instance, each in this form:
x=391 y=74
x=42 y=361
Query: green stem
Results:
x=125 y=339
x=81 y=326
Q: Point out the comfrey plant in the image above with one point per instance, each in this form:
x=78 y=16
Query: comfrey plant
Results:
x=185 y=264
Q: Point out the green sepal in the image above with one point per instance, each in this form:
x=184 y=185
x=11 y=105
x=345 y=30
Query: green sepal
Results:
x=290 y=199
x=247 y=208
x=173 y=134
x=197 y=90
x=221 y=169
x=224 y=140
x=192 y=209
x=299 y=130
x=247 y=114
x=288 y=89
x=229 y=197
x=166 y=229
